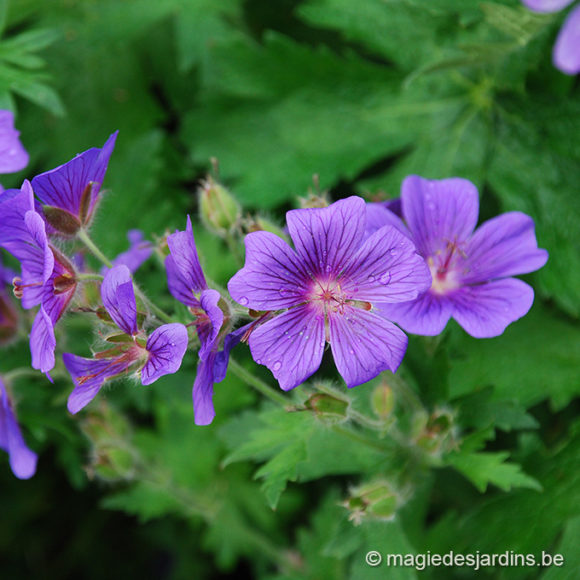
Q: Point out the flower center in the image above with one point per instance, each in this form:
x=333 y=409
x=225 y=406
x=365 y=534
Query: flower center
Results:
x=445 y=266
x=328 y=296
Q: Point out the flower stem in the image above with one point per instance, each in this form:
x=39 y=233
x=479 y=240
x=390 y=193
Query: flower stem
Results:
x=161 y=314
x=257 y=383
x=89 y=277
x=84 y=238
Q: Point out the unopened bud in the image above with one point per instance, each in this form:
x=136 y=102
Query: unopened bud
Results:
x=383 y=401
x=109 y=432
x=262 y=224
x=314 y=200
x=373 y=500
x=219 y=209
x=327 y=407
x=438 y=434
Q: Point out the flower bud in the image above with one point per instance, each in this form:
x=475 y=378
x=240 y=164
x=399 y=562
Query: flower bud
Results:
x=219 y=210
x=261 y=224
x=109 y=432
x=314 y=200
x=374 y=500
x=438 y=434
x=327 y=407
x=383 y=401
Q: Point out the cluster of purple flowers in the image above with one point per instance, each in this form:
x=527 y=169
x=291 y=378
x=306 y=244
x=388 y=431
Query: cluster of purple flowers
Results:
x=357 y=276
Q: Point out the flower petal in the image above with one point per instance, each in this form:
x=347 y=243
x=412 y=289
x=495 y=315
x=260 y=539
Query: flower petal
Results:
x=387 y=269
x=567 y=48
x=13 y=156
x=22 y=459
x=546 y=5
x=501 y=247
x=139 y=251
x=42 y=342
x=427 y=315
x=223 y=356
x=14 y=203
x=186 y=260
x=178 y=286
x=119 y=298
x=364 y=344
x=65 y=185
x=325 y=239
x=290 y=345
x=380 y=215
x=166 y=346
x=486 y=310
x=439 y=211
x=88 y=376
x=272 y=277
x=202 y=394
x=209 y=329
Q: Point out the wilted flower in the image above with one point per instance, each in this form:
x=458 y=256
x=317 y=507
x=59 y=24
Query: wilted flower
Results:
x=22 y=459
x=69 y=193
x=188 y=285
x=328 y=289
x=151 y=357
x=566 y=53
x=471 y=271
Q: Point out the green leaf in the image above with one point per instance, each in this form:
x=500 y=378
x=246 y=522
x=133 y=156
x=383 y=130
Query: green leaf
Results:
x=535 y=170
x=484 y=468
x=281 y=438
x=536 y=358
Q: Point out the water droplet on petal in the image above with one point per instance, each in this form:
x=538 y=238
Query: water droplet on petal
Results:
x=351 y=351
x=372 y=278
x=277 y=365
x=243 y=301
x=283 y=291
x=328 y=268
x=385 y=278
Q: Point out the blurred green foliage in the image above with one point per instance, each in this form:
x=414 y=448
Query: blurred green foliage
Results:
x=360 y=94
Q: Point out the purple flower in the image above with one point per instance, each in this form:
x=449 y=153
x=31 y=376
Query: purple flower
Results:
x=328 y=289
x=13 y=156
x=471 y=271
x=48 y=278
x=69 y=193
x=22 y=459
x=566 y=53
x=151 y=357
x=188 y=285
x=139 y=251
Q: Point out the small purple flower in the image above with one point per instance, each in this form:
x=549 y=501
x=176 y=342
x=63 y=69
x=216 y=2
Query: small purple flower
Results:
x=188 y=285
x=13 y=156
x=566 y=53
x=328 y=289
x=471 y=271
x=69 y=193
x=22 y=459
x=139 y=251
x=48 y=278
x=151 y=357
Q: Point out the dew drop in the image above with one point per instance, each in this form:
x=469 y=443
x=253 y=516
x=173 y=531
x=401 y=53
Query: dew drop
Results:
x=243 y=301
x=259 y=361
x=277 y=365
x=283 y=291
x=328 y=268
x=371 y=278
x=322 y=343
x=351 y=351
x=385 y=278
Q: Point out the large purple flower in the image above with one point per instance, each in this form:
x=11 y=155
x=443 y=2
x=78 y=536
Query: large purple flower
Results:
x=48 y=278
x=328 y=289
x=471 y=271
x=69 y=193
x=13 y=156
x=566 y=53
x=22 y=459
x=188 y=285
x=151 y=357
